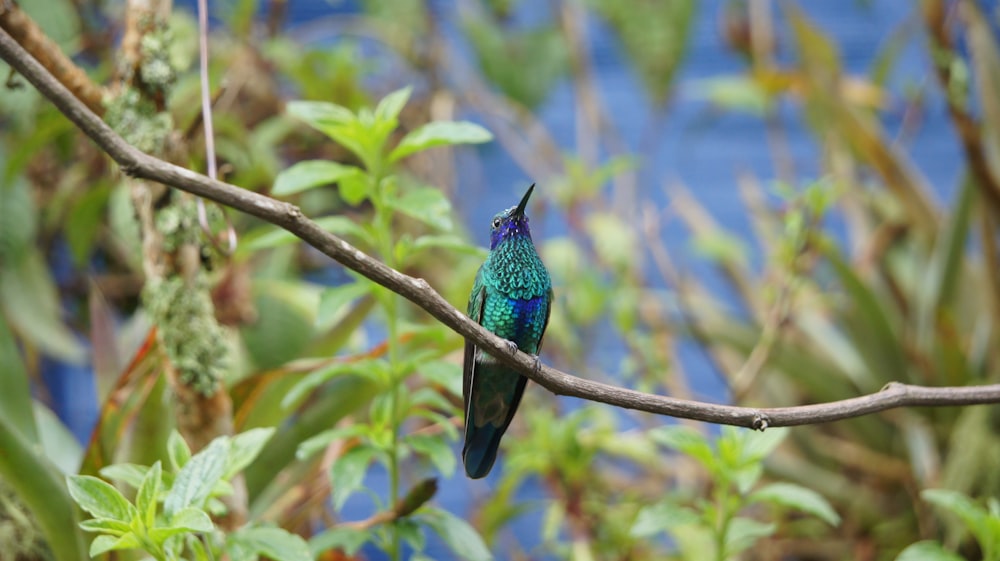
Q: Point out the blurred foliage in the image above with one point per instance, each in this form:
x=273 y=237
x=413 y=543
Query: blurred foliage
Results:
x=852 y=278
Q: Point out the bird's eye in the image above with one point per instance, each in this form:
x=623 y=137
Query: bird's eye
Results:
x=496 y=222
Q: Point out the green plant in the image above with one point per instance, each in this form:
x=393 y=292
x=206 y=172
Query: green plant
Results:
x=380 y=438
x=169 y=517
x=982 y=522
x=720 y=526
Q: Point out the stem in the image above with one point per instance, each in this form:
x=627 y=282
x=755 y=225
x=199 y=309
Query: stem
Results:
x=722 y=503
x=383 y=221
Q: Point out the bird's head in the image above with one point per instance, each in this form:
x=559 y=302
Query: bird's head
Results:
x=511 y=223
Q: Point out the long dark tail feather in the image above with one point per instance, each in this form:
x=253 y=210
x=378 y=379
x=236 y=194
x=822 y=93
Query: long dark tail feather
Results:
x=480 y=449
x=482 y=442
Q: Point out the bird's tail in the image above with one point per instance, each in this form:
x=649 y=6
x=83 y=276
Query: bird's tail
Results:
x=480 y=449
x=482 y=438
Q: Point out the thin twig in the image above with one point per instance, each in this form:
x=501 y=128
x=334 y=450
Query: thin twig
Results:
x=290 y=218
x=206 y=119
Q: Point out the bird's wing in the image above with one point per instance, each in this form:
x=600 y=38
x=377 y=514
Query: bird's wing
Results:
x=548 y=312
x=475 y=310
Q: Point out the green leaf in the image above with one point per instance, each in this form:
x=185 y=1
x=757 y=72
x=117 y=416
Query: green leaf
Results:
x=427 y=204
x=145 y=498
x=15 y=389
x=310 y=174
x=347 y=539
x=103 y=544
x=457 y=534
x=797 y=497
x=100 y=498
x=339 y=123
x=354 y=187
x=59 y=445
x=244 y=448
x=927 y=550
x=348 y=473
x=132 y=474
x=436 y=449
x=446 y=241
x=439 y=133
x=686 y=440
x=106 y=525
x=525 y=64
x=273 y=236
x=319 y=442
x=177 y=450
x=320 y=113
x=759 y=444
x=83 y=223
x=373 y=369
x=658 y=518
x=744 y=532
x=197 y=478
x=273 y=543
x=191 y=519
x=333 y=301
x=43 y=491
x=391 y=105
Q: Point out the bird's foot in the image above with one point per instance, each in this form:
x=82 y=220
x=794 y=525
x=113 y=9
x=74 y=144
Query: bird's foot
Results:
x=511 y=346
x=538 y=363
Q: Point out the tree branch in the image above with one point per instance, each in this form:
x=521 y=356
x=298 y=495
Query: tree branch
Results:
x=290 y=217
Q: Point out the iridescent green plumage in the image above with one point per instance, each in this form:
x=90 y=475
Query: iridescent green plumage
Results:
x=512 y=297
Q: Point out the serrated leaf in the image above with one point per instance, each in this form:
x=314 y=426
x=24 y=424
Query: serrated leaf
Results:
x=103 y=544
x=658 y=518
x=347 y=539
x=797 y=497
x=927 y=550
x=339 y=123
x=427 y=204
x=106 y=525
x=244 y=449
x=310 y=174
x=457 y=534
x=435 y=449
x=100 y=498
x=319 y=113
x=348 y=473
x=196 y=479
x=145 y=498
x=333 y=301
x=132 y=474
x=439 y=133
x=177 y=450
x=191 y=519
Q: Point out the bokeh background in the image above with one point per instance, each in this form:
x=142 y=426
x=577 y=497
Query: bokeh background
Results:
x=752 y=202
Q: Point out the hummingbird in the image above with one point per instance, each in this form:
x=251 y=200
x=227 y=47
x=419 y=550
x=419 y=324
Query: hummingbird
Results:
x=511 y=297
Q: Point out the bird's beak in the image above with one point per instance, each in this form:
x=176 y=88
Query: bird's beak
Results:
x=519 y=211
